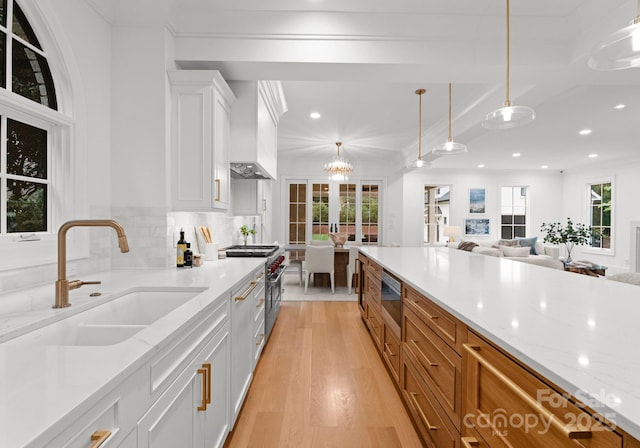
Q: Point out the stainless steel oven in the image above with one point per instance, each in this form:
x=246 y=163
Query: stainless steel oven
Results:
x=391 y=299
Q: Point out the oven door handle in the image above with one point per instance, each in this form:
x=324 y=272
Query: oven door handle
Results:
x=277 y=279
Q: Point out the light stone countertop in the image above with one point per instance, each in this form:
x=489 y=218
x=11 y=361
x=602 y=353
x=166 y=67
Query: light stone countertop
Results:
x=579 y=332
x=40 y=385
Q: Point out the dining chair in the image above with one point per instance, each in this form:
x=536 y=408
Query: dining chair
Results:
x=319 y=259
x=351 y=267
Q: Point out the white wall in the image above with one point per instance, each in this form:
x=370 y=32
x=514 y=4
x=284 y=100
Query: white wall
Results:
x=626 y=207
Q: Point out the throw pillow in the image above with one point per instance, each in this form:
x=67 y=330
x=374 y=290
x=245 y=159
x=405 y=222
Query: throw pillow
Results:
x=467 y=245
x=510 y=251
x=510 y=243
x=529 y=242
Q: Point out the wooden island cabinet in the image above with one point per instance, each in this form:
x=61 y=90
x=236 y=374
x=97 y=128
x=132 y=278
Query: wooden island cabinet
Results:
x=462 y=390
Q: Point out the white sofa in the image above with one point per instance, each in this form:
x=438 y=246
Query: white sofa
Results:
x=547 y=254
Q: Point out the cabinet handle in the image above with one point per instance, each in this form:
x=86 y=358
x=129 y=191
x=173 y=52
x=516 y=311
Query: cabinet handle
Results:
x=261 y=339
x=207 y=365
x=431 y=364
x=260 y=303
x=203 y=406
x=469 y=442
x=570 y=431
x=388 y=347
x=423 y=417
x=247 y=292
x=429 y=316
x=99 y=437
x=217 y=190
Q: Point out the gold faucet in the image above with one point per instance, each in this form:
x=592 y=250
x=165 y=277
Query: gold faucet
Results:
x=63 y=286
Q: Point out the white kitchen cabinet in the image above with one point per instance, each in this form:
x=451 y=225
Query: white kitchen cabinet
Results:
x=254 y=124
x=194 y=410
x=200 y=130
x=243 y=304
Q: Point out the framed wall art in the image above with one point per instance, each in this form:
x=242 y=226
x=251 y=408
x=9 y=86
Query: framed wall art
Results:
x=477 y=200
x=476 y=226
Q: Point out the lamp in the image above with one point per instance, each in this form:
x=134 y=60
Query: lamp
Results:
x=508 y=116
x=450 y=147
x=338 y=169
x=619 y=50
x=451 y=231
x=419 y=163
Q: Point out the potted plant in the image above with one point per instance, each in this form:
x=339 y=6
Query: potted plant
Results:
x=569 y=235
x=246 y=232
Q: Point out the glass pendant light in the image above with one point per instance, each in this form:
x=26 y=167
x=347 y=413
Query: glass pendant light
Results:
x=619 y=50
x=339 y=168
x=508 y=116
x=450 y=147
x=419 y=163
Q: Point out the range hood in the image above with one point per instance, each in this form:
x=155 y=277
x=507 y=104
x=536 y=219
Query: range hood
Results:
x=246 y=170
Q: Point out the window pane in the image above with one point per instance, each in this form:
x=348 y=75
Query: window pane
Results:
x=519 y=219
x=606 y=238
x=606 y=193
x=3 y=13
x=22 y=28
x=596 y=191
x=26 y=207
x=595 y=216
x=519 y=231
x=507 y=219
x=606 y=216
x=3 y=62
x=507 y=233
x=26 y=150
x=31 y=76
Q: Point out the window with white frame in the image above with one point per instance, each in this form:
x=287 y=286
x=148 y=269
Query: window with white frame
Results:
x=437 y=200
x=600 y=214
x=25 y=160
x=513 y=212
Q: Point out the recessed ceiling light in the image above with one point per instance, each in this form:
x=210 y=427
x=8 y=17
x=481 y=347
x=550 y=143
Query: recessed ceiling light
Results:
x=544 y=167
x=315 y=115
x=515 y=154
x=619 y=106
x=481 y=165
x=585 y=132
x=593 y=156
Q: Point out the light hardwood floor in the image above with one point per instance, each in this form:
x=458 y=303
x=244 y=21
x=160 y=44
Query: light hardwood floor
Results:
x=321 y=383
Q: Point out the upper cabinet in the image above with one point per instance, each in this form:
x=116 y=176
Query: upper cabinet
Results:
x=254 y=128
x=200 y=134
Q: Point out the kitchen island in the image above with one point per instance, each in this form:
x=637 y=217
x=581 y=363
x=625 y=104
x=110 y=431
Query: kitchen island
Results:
x=575 y=332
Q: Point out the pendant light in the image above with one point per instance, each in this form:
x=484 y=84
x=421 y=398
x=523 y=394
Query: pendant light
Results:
x=419 y=163
x=339 y=168
x=619 y=50
x=508 y=116
x=450 y=147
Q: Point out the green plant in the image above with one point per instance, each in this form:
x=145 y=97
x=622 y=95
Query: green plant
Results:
x=246 y=231
x=569 y=235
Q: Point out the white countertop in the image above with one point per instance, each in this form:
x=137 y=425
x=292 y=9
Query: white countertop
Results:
x=39 y=385
x=579 y=332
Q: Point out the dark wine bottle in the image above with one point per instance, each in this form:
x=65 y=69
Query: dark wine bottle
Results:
x=181 y=246
x=188 y=257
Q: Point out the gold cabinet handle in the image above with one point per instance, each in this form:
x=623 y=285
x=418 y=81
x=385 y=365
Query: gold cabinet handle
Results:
x=247 y=292
x=260 y=303
x=423 y=417
x=431 y=364
x=388 y=347
x=570 y=431
x=429 y=316
x=207 y=366
x=217 y=190
x=98 y=437
x=469 y=442
x=261 y=339
x=203 y=406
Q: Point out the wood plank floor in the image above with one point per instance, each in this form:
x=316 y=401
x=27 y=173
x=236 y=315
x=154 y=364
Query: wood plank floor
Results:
x=321 y=383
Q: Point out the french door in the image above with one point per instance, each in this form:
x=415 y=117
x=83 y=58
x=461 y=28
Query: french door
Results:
x=347 y=207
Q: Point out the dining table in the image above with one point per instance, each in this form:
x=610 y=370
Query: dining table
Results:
x=296 y=255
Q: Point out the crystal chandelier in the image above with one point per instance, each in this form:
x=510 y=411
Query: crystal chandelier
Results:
x=339 y=168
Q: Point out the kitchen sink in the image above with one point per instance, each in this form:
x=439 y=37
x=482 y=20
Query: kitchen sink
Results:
x=113 y=322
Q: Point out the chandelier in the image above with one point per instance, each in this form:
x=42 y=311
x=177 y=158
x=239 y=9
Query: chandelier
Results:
x=339 y=168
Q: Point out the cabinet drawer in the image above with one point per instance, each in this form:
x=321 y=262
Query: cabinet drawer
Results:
x=509 y=406
x=374 y=322
x=435 y=428
x=258 y=311
x=374 y=270
x=259 y=340
x=450 y=329
x=391 y=351
x=437 y=363
x=373 y=289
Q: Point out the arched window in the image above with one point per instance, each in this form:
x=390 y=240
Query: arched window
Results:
x=25 y=177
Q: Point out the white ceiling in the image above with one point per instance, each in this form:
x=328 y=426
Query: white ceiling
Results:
x=358 y=63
